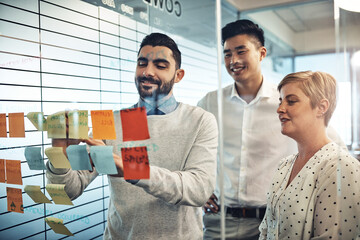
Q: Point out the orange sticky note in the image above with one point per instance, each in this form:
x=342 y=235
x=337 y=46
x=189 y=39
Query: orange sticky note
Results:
x=103 y=124
x=3 y=129
x=136 y=163
x=16 y=125
x=2 y=170
x=13 y=172
x=134 y=124
x=14 y=200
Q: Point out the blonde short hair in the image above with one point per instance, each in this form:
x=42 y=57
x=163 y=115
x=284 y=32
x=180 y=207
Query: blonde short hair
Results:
x=316 y=86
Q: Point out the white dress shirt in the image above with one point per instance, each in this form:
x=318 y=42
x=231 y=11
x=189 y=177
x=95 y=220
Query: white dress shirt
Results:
x=253 y=144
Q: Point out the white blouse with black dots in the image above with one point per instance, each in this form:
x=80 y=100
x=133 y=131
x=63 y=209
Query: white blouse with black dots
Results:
x=321 y=202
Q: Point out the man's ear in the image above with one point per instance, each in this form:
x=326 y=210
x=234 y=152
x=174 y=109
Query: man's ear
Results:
x=323 y=106
x=263 y=52
x=179 y=75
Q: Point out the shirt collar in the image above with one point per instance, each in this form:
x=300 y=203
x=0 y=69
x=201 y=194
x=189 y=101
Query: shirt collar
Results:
x=165 y=104
x=264 y=91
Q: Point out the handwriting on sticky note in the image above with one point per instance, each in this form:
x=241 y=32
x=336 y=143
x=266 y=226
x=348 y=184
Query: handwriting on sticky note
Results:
x=58 y=194
x=78 y=124
x=57 y=157
x=57 y=226
x=38 y=120
x=136 y=163
x=78 y=157
x=134 y=124
x=34 y=158
x=56 y=125
x=13 y=172
x=102 y=157
x=2 y=171
x=3 y=128
x=14 y=200
x=35 y=194
x=16 y=125
x=103 y=124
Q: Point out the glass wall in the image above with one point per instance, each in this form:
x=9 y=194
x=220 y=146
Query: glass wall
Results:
x=65 y=55
x=81 y=54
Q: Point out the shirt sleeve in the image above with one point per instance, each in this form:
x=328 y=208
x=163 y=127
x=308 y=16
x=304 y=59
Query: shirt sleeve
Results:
x=75 y=181
x=194 y=184
x=337 y=211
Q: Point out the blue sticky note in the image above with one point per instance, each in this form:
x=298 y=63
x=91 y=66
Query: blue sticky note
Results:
x=102 y=157
x=78 y=157
x=34 y=158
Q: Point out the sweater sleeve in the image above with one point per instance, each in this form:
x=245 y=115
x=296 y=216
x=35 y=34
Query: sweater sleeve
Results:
x=75 y=181
x=195 y=183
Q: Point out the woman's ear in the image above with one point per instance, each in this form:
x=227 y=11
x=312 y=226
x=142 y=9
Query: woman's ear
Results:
x=179 y=75
x=323 y=106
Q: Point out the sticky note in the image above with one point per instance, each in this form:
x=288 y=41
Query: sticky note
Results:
x=34 y=158
x=38 y=120
x=13 y=172
x=56 y=125
x=78 y=124
x=57 y=157
x=2 y=171
x=134 y=124
x=57 y=226
x=136 y=163
x=58 y=194
x=103 y=124
x=102 y=157
x=14 y=200
x=36 y=195
x=78 y=157
x=3 y=128
x=16 y=125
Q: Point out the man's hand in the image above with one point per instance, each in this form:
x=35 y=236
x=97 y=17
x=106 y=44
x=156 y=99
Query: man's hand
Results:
x=117 y=159
x=211 y=205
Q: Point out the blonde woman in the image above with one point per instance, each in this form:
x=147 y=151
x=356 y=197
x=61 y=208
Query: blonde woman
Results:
x=315 y=194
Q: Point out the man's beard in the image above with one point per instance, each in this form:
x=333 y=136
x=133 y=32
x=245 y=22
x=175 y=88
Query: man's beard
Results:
x=147 y=92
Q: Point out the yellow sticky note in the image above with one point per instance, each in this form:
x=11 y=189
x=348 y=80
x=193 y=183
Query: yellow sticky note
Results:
x=36 y=195
x=78 y=124
x=58 y=194
x=14 y=200
x=56 y=125
x=16 y=125
x=57 y=226
x=57 y=157
x=3 y=128
x=38 y=120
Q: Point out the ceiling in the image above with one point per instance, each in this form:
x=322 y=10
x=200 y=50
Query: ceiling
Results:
x=291 y=26
x=305 y=27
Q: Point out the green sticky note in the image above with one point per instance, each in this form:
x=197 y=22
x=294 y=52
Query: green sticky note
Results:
x=38 y=120
x=78 y=124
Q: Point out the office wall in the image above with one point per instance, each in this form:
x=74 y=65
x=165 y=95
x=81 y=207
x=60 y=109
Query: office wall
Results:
x=57 y=55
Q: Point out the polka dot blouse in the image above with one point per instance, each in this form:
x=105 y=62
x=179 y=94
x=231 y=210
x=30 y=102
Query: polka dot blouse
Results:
x=321 y=202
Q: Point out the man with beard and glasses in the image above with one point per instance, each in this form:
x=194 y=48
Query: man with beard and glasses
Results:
x=182 y=156
x=253 y=143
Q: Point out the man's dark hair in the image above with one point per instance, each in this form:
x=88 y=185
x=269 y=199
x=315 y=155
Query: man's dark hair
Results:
x=243 y=26
x=159 y=39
